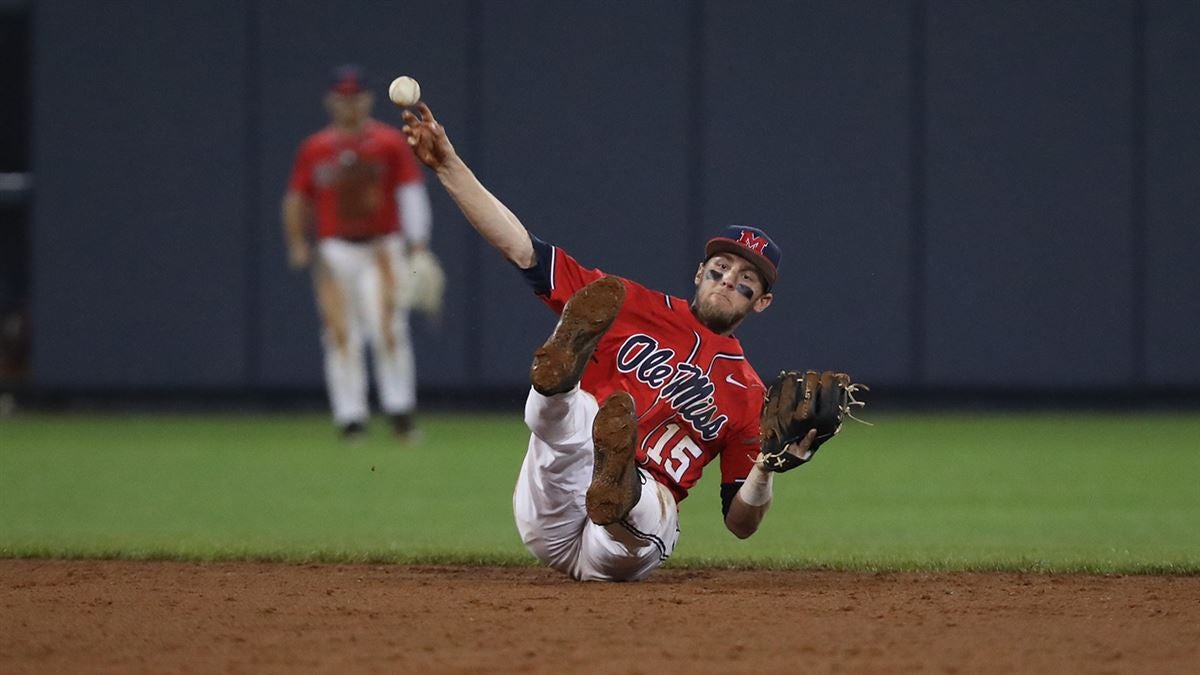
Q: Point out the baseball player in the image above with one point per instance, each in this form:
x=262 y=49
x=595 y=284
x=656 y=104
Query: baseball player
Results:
x=632 y=395
x=356 y=181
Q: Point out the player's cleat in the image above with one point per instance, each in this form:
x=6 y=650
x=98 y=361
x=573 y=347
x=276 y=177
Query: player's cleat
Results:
x=615 y=487
x=404 y=428
x=559 y=363
x=402 y=423
x=353 y=431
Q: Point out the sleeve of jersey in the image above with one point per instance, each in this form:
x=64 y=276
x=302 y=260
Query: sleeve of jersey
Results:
x=555 y=276
x=736 y=461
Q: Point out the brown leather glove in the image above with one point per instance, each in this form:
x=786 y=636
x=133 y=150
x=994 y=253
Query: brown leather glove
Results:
x=796 y=403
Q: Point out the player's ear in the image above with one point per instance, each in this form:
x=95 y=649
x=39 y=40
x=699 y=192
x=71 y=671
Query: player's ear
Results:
x=763 y=302
x=699 y=273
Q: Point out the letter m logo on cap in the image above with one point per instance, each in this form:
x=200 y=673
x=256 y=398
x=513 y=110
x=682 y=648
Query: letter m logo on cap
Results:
x=752 y=241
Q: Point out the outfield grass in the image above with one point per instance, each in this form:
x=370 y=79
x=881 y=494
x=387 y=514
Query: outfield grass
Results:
x=1090 y=492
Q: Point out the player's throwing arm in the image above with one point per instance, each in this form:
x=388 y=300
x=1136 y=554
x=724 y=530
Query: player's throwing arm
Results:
x=492 y=219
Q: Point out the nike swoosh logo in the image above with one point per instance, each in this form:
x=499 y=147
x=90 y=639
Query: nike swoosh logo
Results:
x=730 y=380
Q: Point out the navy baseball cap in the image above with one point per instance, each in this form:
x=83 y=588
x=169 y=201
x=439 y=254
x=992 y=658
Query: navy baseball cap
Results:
x=750 y=243
x=348 y=79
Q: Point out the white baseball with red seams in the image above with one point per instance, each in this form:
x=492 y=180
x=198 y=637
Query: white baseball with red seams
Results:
x=404 y=91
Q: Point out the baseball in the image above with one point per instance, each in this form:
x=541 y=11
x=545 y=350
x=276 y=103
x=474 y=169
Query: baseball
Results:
x=404 y=91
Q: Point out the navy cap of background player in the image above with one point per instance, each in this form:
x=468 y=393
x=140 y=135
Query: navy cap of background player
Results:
x=348 y=79
x=750 y=243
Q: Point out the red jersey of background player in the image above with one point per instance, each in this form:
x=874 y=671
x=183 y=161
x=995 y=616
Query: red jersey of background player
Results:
x=695 y=394
x=352 y=179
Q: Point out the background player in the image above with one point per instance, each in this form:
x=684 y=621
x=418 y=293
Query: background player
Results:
x=598 y=491
x=356 y=181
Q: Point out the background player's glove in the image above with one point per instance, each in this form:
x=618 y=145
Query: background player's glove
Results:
x=426 y=283
x=796 y=403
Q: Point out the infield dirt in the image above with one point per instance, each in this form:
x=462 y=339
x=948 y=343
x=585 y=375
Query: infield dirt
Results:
x=119 y=616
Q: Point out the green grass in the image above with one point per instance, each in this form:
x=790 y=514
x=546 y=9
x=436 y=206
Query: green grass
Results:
x=1055 y=492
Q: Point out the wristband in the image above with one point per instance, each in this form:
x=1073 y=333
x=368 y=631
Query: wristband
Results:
x=756 y=491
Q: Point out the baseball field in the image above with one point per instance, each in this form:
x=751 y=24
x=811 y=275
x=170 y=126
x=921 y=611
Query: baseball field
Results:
x=950 y=542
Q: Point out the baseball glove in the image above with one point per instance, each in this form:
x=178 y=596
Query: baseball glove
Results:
x=796 y=403
x=426 y=284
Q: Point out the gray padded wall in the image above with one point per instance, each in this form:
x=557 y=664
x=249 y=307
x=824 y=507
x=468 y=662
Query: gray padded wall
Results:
x=1029 y=178
x=806 y=134
x=1173 y=194
x=585 y=140
x=981 y=194
x=139 y=211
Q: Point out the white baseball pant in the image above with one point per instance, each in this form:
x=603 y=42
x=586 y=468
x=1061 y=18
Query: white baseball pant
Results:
x=366 y=307
x=549 y=501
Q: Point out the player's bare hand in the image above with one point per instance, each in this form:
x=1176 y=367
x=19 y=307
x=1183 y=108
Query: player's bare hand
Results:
x=299 y=257
x=428 y=138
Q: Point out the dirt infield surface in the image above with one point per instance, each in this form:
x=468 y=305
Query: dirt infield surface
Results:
x=60 y=616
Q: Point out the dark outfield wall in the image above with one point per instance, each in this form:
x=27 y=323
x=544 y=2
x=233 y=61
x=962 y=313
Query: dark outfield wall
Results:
x=968 y=194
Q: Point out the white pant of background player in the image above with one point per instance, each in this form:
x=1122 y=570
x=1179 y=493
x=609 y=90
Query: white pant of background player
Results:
x=371 y=308
x=551 y=488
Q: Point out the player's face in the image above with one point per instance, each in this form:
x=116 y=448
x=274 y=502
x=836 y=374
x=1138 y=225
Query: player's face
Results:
x=349 y=110
x=728 y=288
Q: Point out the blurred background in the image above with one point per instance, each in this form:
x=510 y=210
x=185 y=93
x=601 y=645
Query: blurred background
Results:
x=978 y=201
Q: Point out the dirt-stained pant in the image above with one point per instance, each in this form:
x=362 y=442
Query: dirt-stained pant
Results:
x=549 y=501
x=359 y=293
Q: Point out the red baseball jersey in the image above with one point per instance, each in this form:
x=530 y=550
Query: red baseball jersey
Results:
x=696 y=396
x=352 y=179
